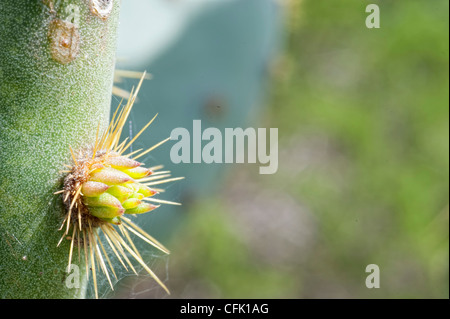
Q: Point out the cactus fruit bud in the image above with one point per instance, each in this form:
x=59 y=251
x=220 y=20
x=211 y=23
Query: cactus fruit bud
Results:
x=105 y=213
x=138 y=172
x=122 y=162
x=138 y=196
x=104 y=200
x=110 y=187
x=102 y=187
x=131 y=203
x=93 y=189
x=141 y=209
x=110 y=176
x=146 y=191
x=120 y=192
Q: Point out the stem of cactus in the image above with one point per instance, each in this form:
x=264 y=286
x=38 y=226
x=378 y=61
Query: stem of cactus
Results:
x=56 y=73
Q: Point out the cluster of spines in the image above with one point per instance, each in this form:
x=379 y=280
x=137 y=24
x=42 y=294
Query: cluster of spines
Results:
x=111 y=184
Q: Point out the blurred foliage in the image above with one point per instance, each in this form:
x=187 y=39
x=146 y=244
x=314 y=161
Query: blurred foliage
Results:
x=378 y=190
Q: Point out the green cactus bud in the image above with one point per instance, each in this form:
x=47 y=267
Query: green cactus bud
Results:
x=110 y=176
x=122 y=193
x=138 y=172
x=137 y=195
x=131 y=203
x=122 y=162
x=106 y=213
x=146 y=191
x=93 y=189
x=105 y=199
x=141 y=209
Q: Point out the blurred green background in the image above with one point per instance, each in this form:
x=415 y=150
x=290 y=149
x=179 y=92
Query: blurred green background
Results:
x=363 y=167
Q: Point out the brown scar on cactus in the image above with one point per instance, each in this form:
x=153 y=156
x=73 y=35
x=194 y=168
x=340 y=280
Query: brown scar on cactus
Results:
x=101 y=8
x=104 y=184
x=64 y=39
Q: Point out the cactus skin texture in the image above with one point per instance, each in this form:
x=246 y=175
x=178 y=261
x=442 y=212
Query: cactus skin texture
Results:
x=56 y=73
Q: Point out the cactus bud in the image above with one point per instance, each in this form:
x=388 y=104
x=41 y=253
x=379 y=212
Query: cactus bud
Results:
x=138 y=172
x=122 y=193
x=110 y=176
x=131 y=203
x=137 y=195
x=122 y=162
x=141 y=209
x=93 y=189
x=104 y=212
x=105 y=199
x=146 y=191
